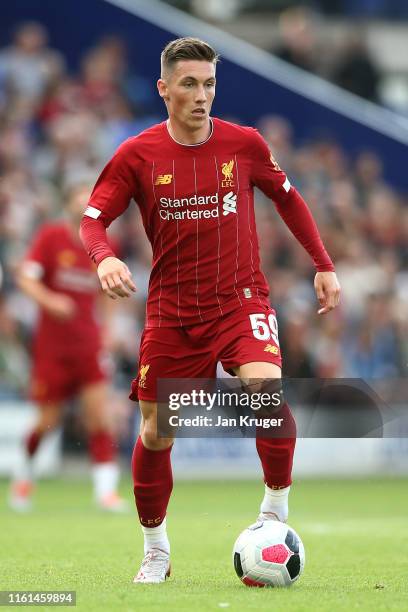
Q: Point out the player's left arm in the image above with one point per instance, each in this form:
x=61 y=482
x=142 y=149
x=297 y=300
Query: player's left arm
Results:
x=327 y=289
x=268 y=176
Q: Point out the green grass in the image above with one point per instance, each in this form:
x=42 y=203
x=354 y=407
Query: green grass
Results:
x=355 y=535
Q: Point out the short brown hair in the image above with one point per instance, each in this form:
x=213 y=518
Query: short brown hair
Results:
x=187 y=48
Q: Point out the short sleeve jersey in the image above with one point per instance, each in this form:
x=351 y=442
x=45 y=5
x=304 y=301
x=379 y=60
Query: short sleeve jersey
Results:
x=197 y=206
x=58 y=259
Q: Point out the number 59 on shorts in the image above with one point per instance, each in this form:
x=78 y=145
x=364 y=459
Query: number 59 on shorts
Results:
x=264 y=328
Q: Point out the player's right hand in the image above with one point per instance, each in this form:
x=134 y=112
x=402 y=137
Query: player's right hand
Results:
x=60 y=306
x=116 y=279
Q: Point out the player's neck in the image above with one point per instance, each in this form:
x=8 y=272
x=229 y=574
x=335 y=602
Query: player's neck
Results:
x=187 y=137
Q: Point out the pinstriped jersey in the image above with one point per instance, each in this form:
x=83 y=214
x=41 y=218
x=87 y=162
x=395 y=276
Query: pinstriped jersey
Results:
x=197 y=206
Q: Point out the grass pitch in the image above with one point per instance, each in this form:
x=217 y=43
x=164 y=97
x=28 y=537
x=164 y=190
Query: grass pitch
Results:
x=355 y=535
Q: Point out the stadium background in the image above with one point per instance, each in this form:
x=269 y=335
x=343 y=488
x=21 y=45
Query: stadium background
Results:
x=88 y=82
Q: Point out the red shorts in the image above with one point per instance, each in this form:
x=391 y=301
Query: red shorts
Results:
x=56 y=378
x=246 y=335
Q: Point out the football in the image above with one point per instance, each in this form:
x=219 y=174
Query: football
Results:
x=268 y=553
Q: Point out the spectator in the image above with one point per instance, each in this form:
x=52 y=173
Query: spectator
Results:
x=373 y=352
x=29 y=65
x=356 y=70
x=298 y=40
x=298 y=362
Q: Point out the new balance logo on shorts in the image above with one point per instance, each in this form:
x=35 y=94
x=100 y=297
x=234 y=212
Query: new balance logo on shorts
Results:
x=270 y=348
x=229 y=203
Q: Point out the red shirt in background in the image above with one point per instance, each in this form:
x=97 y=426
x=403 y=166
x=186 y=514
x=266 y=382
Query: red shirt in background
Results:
x=58 y=259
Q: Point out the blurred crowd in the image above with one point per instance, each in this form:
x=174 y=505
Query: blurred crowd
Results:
x=378 y=9
x=57 y=128
x=344 y=51
x=345 y=60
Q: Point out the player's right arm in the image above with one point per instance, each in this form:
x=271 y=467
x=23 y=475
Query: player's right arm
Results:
x=109 y=199
x=31 y=278
x=58 y=305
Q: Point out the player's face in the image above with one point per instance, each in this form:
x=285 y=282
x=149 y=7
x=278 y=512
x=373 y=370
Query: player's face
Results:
x=188 y=92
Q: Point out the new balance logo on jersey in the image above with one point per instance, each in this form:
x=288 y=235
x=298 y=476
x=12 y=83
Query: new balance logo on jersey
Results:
x=229 y=203
x=164 y=179
x=270 y=348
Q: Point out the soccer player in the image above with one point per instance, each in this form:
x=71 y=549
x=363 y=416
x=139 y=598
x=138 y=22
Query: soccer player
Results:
x=67 y=353
x=192 y=177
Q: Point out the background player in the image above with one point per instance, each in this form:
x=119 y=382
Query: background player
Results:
x=193 y=179
x=67 y=353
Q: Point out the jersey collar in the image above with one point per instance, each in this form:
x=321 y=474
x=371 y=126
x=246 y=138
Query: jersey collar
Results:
x=197 y=144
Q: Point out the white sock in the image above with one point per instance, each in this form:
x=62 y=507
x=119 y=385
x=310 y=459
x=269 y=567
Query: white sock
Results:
x=276 y=500
x=156 y=537
x=23 y=467
x=105 y=477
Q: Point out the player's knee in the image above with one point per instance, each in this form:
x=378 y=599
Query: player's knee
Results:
x=49 y=419
x=267 y=386
x=150 y=438
x=97 y=420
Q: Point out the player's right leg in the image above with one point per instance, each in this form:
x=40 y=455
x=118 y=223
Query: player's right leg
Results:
x=170 y=353
x=153 y=484
x=22 y=484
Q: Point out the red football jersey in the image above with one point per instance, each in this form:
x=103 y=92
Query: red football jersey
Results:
x=58 y=259
x=197 y=205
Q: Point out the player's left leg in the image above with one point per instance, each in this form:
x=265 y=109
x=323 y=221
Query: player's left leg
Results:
x=275 y=453
x=248 y=347
x=102 y=447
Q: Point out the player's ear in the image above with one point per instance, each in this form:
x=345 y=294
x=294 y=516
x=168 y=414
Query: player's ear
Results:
x=162 y=89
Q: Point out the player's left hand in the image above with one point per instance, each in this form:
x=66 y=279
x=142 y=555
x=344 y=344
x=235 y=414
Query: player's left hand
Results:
x=327 y=289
